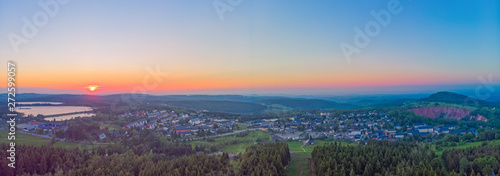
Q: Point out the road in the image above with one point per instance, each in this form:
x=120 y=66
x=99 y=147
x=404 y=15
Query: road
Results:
x=302 y=146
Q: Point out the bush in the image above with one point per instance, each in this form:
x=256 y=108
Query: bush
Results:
x=233 y=142
x=439 y=148
x=242 y=134
x=213 y=149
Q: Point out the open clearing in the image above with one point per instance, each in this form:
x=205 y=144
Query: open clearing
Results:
x=26 y=139
x=466 y=145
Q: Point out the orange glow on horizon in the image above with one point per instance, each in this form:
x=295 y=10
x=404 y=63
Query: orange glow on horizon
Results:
x=194 y=80
x=220 y=84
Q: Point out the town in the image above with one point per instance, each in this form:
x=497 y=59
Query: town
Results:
x=350 y=127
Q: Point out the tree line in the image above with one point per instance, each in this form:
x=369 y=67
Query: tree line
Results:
x=374 y=158
x=481 y=160
x=265 y=159
x=403 y=158
x=262 y=159
x=47 y=160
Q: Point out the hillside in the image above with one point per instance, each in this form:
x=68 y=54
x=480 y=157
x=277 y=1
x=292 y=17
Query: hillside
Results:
x=376 y=103
x=450 y=105
x=220 y=106
x=234 y=98
x=454 y=98
x=446 y=112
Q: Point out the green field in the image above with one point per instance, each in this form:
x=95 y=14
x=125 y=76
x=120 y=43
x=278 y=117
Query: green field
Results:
x=295 y=145
x=237 y=148
x=243 y=127
x=26 y=139
x=299 y=165
x=466 y=145
x=245 y=142
x=300 y=160
x=74 y=145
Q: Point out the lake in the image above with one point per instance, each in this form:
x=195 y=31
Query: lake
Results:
x=51 y=110
x=57 y=112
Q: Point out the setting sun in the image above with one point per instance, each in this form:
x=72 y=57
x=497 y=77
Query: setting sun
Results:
x=92 y=87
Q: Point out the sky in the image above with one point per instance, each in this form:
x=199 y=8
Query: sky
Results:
x=250 y=47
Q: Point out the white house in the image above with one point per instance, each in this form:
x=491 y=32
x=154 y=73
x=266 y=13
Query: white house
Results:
x=195 y=121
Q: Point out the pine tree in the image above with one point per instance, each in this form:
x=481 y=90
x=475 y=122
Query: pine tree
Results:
x=473 y=173
x=452 y=173
x=342 y=171
x=487 y=170
x=368 y=170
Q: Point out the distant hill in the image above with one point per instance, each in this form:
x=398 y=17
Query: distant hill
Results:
x=377 y=98
x=235 y=98
x=454 y=98
x=308 y=104
x=375 y=103
x=220 y=106
x=254 y=104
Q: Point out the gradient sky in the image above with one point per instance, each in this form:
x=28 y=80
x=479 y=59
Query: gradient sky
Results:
x=260 y=47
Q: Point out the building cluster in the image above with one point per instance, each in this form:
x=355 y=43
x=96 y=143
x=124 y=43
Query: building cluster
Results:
x=352 y=126
x=423 y=129
x=182 y=125
x=43 y=127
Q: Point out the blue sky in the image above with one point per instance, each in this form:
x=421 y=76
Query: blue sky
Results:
x=259 y=47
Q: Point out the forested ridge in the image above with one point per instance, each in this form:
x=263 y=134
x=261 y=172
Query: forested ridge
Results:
x=375 y=158
x=478 y=160
x=57 y=161
x=266 y=159
x=403 y=158
x=262 y=159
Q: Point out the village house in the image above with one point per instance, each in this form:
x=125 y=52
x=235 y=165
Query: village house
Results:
x=425 y=129
x=390 y=132
x=399 y=135
x=181 y=128
x=151 y=125
x=102 y=136
x=195 y=121
x=135 y=124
